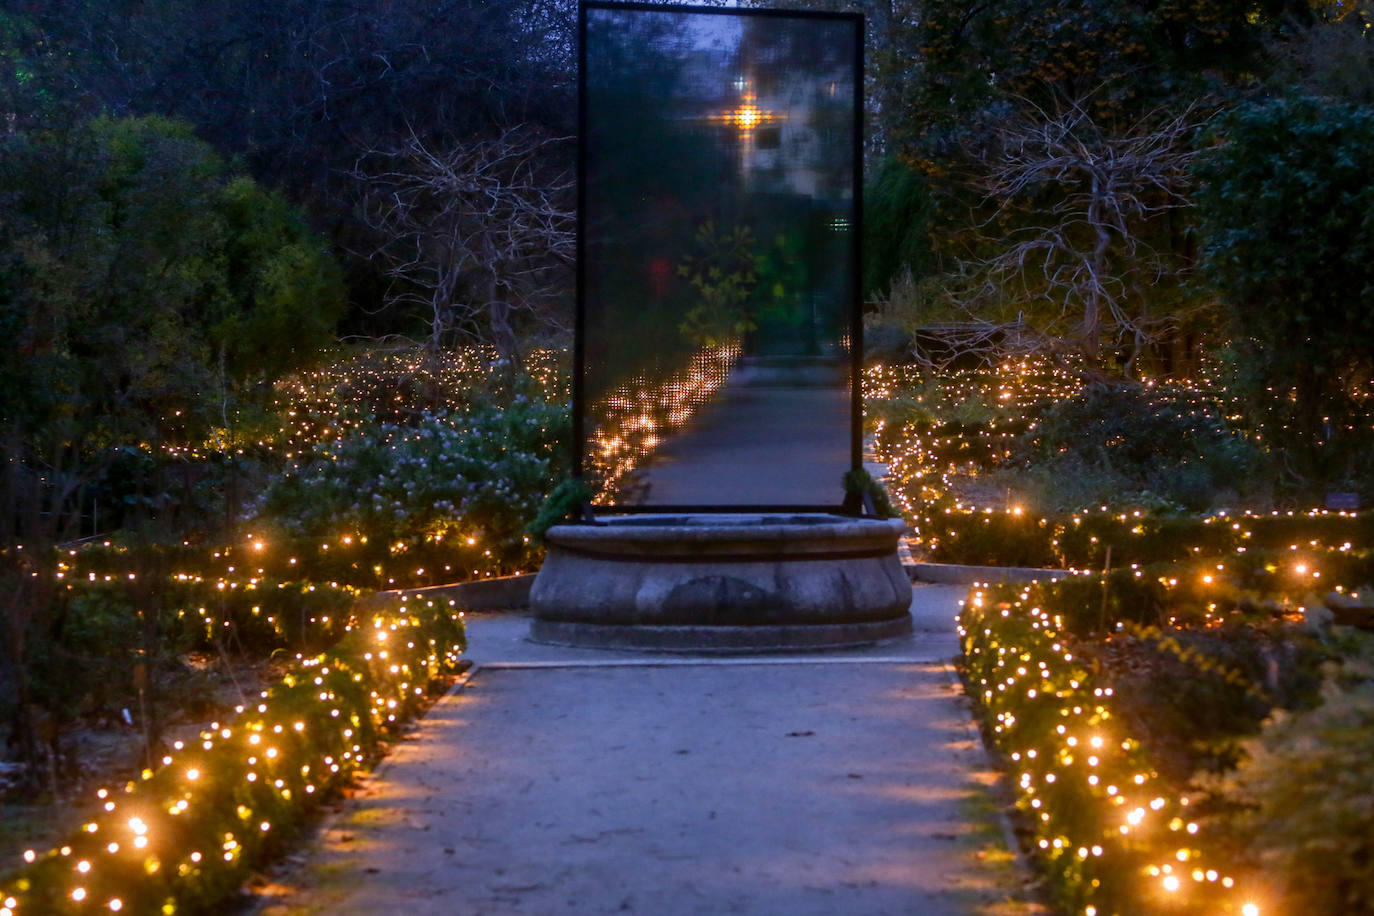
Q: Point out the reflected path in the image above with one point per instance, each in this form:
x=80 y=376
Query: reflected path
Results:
x=776 y=434
x=721 y=172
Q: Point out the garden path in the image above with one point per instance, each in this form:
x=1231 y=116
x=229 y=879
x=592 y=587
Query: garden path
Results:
x=582 y=781
x=766 y=443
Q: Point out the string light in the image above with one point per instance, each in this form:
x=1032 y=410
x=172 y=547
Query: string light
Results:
x=632 y=419
x=313 y=730
x=933 y=456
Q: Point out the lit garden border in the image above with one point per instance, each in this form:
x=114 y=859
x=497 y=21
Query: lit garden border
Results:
x=186 y=836
x=1109 y=841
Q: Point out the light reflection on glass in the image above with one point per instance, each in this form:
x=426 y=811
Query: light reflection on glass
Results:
x=718 y=256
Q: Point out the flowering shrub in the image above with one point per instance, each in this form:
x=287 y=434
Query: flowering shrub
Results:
x=462 y=479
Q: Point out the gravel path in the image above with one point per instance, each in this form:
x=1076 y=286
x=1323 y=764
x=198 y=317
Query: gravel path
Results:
x=574 y=781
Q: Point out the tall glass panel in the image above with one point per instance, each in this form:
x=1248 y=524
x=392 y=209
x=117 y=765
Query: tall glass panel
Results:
x=718 y=259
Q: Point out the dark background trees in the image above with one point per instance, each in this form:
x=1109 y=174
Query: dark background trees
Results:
x=182 y=222
x=145 y=289
x=297 y=90
x=1287 y=208
x=478 y=236
x=1280 y=294
x=1119 y=64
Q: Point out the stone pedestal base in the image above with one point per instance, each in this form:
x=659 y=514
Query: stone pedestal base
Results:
x=722 y=583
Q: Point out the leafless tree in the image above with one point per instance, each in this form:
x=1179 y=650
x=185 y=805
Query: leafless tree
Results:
x=478 y=236
x=1089 y=245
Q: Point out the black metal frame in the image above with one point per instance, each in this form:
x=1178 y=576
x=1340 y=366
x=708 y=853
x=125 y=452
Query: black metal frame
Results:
x=853 y=504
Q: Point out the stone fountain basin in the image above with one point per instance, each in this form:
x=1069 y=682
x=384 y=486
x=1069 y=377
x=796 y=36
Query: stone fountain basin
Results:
x=722 y=581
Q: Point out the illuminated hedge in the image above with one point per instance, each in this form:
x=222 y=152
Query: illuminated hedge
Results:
x=1081 y=541
x=186 y=836
x=1110 y=840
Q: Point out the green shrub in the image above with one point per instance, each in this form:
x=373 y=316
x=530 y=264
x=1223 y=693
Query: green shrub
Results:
x=1137 y=441
x=898 y=210
x=1100 y=823
x=1193 y=693
x=563 y=504
x=261 y=615
x=860 y=485
x=988 y=539
x=1305 y=796
x=1082 y=540
x=1285 y=195
x=185 y=837
x=447 y=478
x=84 y=665
x=1102 y=737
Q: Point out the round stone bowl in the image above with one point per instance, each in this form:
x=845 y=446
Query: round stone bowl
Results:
x=722 y=583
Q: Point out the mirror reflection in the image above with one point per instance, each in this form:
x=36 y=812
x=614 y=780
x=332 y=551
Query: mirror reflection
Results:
x=718 y=257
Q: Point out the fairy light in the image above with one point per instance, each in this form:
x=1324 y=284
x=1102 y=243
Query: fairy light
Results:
x=931 y=462
x=417 y=654
x=634 y=417
x=1010 y=639
x=925 y=463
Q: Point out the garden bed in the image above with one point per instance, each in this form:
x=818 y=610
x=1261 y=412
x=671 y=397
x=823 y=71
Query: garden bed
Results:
x=1165 y=729
x=184 y=835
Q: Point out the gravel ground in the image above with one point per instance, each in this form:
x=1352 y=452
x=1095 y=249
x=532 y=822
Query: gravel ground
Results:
x=574 y=781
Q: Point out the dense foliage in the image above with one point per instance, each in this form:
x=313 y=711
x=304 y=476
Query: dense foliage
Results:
x=1165 y=728
x=1288 y=218
x=1025 y=465
x=385 y=469
x=469 y=477
x=300 y=91
x=145 y=291
x=1136 y=445
x=186 y=835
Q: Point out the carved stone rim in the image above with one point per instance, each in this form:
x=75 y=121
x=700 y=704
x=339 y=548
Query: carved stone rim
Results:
x=738 y=538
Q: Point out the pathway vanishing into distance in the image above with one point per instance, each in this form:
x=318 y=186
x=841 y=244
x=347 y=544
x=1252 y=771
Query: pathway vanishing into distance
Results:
x=754 y=446
x=776 y=437
x=587 y=782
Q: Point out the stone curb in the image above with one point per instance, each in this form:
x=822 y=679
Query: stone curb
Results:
x=509 y=593
x=724 y=640
x=958 y=574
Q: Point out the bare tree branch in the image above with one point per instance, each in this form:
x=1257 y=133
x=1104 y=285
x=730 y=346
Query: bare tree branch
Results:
x=478 y=236
x=1086 y=201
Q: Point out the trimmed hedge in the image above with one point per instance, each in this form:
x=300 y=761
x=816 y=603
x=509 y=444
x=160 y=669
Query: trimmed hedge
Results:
x=1110 y=839
x=182 y=839
x=1107 y=695
x=1081 y=541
